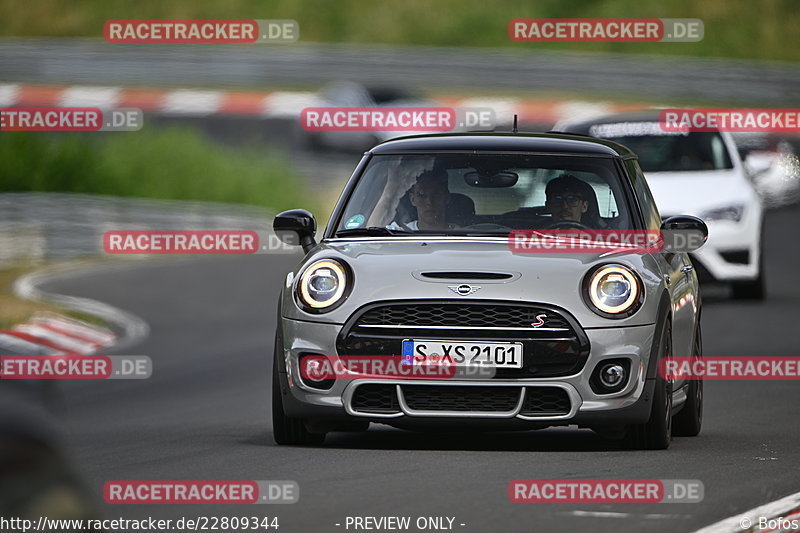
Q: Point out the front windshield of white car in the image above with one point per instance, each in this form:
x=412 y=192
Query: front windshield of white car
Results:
x=661 y=151
x=489 y=194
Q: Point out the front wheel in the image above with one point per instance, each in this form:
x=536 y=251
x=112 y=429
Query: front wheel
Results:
x=689 y=421
x=656 y=433
x=287 y=430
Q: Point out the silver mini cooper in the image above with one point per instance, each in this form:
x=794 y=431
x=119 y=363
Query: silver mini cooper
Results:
x=426 y=262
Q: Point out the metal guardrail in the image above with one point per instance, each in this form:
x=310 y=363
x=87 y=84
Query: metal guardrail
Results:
x=39 y=226
x=94 y=62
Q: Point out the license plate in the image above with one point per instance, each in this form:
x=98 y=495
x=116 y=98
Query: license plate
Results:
x=482 y=354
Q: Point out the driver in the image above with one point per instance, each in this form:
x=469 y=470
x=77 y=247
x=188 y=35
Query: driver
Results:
x=430 y=195
x=565 y=199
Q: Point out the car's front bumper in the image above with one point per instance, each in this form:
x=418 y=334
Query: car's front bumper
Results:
x=586 y=408
x=733 y=250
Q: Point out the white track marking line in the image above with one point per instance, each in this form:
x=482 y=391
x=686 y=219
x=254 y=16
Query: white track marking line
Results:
x=188 y=102
x=133 y=329
x=79 y=329
x=62 y=341
x=15 y=343
x=289 y=104
x=8 y=95
x=78 y=96
x=769 y=510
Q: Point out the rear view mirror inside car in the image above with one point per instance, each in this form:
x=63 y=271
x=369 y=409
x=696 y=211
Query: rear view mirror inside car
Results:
x=494 y=179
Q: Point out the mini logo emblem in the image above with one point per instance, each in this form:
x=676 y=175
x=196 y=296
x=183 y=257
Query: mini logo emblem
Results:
x=464 y=289
x=539 y=321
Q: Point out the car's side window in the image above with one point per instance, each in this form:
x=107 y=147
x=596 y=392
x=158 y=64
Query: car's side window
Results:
x=646 y=201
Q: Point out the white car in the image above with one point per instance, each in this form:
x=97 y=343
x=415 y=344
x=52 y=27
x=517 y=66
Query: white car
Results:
x=773 y=166
x=701 y=174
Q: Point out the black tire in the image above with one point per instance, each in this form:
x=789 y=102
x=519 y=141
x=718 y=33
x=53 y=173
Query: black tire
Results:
x=656 y=433
x=286 y=430
x=689 y=421
x=752 y=290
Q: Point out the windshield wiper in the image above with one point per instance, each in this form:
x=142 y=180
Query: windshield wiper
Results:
x=372 y=231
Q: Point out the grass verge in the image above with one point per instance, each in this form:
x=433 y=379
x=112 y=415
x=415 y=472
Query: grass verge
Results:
x=766 y=29
x=171 y=164
x=12 y=309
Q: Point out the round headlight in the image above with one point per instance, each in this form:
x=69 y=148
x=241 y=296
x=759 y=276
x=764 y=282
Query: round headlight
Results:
x=614 y=290
x=322 y=285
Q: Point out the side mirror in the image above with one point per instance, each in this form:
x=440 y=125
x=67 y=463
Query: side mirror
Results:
x=684 y=233
x=296 y=226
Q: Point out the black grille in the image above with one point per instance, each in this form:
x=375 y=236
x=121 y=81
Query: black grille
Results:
x=375 y=398
x=466 y=275
x=741 y=257
x=558 y=347
x=464 y=315
x=545 y=401
x=460 y=398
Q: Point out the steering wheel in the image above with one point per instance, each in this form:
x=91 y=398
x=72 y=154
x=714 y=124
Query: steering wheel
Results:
x=567 y=224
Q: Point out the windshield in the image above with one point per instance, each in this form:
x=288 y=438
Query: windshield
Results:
x=660 y=151
x=490 y=194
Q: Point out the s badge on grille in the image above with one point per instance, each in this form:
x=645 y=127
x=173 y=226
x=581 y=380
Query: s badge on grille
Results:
x=539 y=321
x=464 y=289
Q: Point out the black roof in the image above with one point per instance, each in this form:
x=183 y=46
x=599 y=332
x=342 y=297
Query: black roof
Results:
x=548 y=143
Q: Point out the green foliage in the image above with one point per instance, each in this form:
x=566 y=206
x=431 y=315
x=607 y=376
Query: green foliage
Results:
x=764 y=29
x=176 y=163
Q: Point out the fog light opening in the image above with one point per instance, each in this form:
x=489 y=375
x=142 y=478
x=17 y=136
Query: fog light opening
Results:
x=610 y=376
x=314 y=372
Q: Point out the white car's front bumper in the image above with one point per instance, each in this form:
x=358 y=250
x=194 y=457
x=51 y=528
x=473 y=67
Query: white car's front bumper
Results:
x=733 y=249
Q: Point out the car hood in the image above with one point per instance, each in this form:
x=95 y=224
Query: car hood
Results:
x=693 y=193
x=392 y=268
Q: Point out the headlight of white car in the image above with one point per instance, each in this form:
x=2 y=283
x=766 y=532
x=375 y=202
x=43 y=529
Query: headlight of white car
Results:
x=323 y=285
x=613 y=291
x=730 y=212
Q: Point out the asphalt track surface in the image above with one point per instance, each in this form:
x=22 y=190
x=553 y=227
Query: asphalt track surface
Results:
x=204 y=415
x=522 y=68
